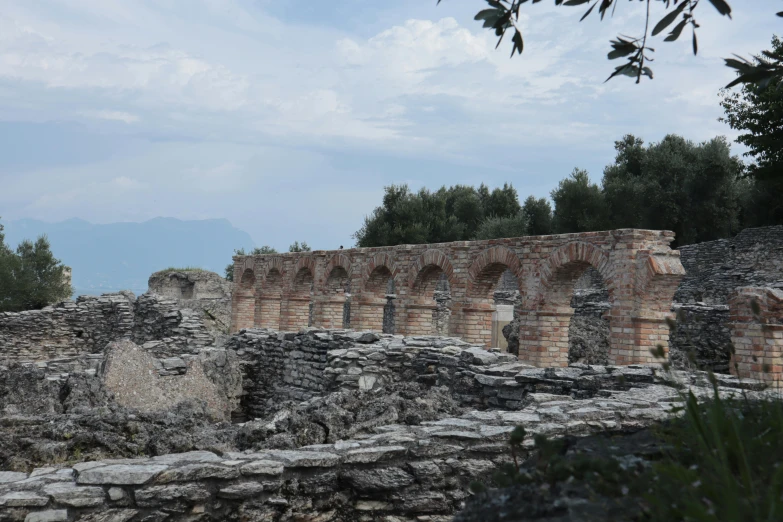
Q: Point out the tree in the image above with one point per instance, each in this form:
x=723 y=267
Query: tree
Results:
x=257 y=251
x=500 y=227
x=296 y=247
x=677 y=185
x=448 y=214
x=538 y=214
x=758 y=113
x=503 y=16
x=31 y=277
x=579 y=205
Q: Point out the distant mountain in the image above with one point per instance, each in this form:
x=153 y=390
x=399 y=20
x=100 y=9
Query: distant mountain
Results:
x=121 y=256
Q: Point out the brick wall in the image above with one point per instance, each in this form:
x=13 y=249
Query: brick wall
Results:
x=640 y=270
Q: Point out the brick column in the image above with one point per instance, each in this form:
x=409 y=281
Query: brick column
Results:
x=757 y=334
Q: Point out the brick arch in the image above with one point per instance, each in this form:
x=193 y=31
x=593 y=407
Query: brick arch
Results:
x=576 y=252
x=338 y=260
x=302 y=263
x=382 y=260
x=276 y=263
x=489 y=259
x=431 y=257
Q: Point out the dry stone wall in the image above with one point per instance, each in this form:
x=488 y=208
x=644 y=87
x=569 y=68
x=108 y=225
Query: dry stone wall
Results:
x=395 y=472
x=714 y=271
x=67 y=329
x=72 y=336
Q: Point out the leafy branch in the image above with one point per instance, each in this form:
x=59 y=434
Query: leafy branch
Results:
x=502 y=16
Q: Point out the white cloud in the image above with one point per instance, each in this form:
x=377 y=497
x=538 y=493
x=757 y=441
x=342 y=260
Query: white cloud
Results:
x=122 y=116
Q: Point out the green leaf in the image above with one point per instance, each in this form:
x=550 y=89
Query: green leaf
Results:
x=588 y=12
x=496 y=4
x=668 y=19
x=486 y=14
x=676 y=32
x=695 y=45
x=722 y=7
x=518 y=43
x=647 y=72
x=780 y=13
x=575 y=2
x=619 y=53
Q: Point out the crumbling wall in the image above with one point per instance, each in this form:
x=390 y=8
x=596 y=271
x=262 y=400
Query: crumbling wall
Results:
x=203 y=291
x=714 y=270
x=66 y=329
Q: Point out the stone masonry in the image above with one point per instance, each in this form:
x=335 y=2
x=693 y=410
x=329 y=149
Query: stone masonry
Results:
x=640 y=270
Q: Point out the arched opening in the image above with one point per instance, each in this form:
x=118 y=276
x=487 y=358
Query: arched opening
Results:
x=492 y=300
x=588 y=330
x=336 y=292
x=429 y=309
x=245 y=300
x=570 y=323
x=268 y=302
x=376 y=308
x=300 y=300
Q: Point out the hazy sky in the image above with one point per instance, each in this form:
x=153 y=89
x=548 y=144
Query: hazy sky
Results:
x=289 y=117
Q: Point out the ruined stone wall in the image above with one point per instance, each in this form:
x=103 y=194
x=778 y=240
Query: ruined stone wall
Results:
x=205 y=292
x=63 y=338
x=66 y=329
x=392 y=472
x=279 y=367
x=714 y=270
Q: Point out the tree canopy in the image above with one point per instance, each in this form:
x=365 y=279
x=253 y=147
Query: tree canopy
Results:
x=30 y=277
x=502 y=16
x=455 y=213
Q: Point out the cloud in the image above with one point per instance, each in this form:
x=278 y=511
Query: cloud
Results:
x=284 y=120
x=122 y=116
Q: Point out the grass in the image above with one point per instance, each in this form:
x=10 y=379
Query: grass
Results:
x=182 y=269
x=721 y=460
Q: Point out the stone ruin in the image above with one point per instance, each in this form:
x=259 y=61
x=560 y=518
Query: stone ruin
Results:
x=117 y=408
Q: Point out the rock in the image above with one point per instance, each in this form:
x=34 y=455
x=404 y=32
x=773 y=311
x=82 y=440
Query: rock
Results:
x=52 y=515
x=262 y=467
x=75 y=496
x=378 y=479
x=120 y=474
x=111 y=515
x=23 y=499
x=11 y=476
x=194 y=472
x=304 y=459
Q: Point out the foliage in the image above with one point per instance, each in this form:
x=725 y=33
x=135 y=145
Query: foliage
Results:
x=719 y=461
x=579 y=205
x=502 y=16
x=538 y=214
x=675 y=185
x=499 y=227
x=183 y=269
x=257 y=251
x=449 y=214
x=723 y=463
x=758 y=114
x=30 y=277
x=296 y=247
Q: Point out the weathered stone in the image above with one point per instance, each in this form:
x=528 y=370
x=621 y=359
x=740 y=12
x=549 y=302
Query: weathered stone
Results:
x=23 y=499
x=193 y=472
x=75 y=496
x=52 y=515
x=262 y=467
x=120 y=474
x=378 y=479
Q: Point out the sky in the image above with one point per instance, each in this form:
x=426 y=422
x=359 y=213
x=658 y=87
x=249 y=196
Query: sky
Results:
x=288 y=118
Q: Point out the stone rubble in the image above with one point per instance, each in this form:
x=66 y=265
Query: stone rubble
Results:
x=394 y=472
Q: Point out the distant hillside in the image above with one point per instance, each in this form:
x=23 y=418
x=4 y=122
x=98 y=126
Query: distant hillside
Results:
x=121 y=256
